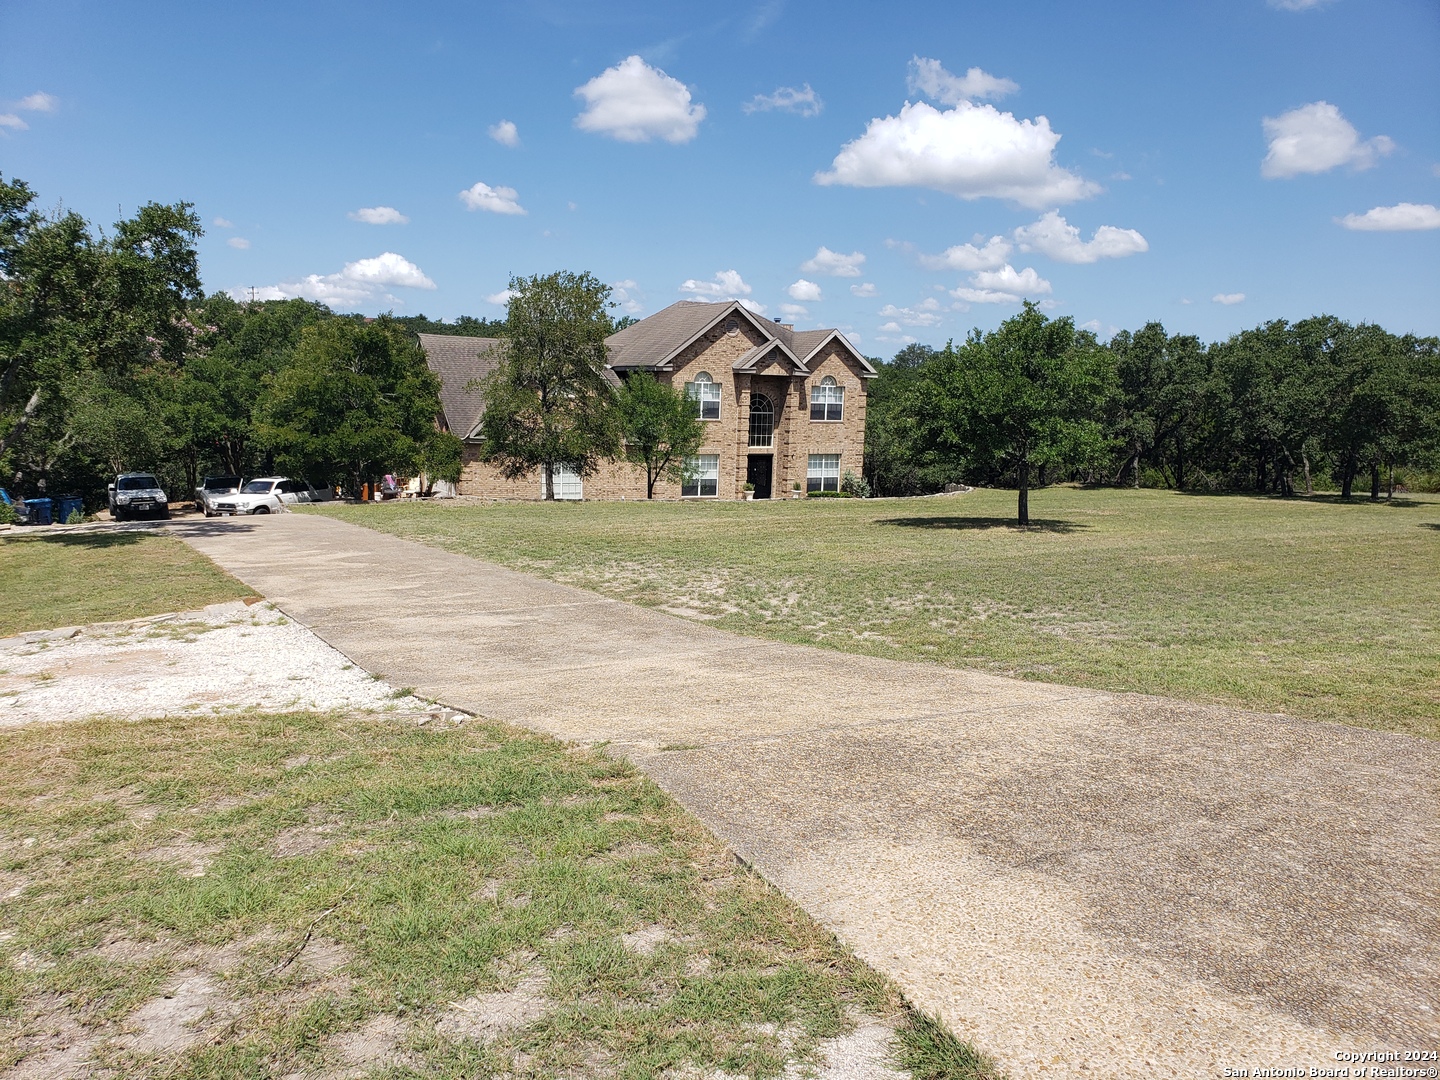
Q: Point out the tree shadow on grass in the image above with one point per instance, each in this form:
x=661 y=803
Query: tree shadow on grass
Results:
x=1328 y=498
x=94 y=541
x=974 y=523
x=1430 y=525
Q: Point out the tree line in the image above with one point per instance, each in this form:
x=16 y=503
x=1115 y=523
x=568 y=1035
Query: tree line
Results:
x=112 y=358
x=1281 y=408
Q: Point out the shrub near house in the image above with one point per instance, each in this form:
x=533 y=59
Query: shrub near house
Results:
x=780 y=407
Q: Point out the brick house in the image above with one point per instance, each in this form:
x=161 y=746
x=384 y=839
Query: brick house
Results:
x=783 y=409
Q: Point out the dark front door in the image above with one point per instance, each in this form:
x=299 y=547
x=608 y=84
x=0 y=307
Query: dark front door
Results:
x=757 y=472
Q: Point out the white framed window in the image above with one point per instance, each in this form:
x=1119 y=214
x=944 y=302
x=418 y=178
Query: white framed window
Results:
x=705 y=391
x=827 y=400
x=762 y=421
x=702 y=476
x=568 y=484
x=823 y=473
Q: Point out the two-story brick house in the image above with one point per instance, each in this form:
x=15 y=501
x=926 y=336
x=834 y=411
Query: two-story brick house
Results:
x=784 y=410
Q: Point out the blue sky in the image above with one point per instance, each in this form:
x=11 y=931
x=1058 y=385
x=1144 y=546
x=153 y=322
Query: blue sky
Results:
x=1209 y=164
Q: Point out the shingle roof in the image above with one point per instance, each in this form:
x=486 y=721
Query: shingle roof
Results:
x=653 y=340
x=458 y=360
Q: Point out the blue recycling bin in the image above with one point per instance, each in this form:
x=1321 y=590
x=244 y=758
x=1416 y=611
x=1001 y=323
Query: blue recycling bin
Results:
x=65 y=505
x=39 y=511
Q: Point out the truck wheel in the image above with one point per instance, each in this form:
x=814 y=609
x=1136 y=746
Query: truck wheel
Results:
x=261 y=510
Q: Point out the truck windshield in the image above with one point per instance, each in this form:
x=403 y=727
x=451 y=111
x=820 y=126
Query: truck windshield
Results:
x=221 y=483
x=136 y=483
x=258 y=487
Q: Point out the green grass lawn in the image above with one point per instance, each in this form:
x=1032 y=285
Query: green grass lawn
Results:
x=83 y=577
x=1309 y=606
x=338 y=895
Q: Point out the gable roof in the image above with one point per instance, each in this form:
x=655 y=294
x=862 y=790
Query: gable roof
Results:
x=458 y=360
x=655 y=341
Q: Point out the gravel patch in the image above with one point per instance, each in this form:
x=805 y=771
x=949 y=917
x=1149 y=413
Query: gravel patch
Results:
x=221 y=659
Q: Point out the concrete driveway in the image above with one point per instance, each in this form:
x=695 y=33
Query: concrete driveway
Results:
x=1081 y=883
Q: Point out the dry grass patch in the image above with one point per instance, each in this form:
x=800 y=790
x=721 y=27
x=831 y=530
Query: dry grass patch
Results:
x=456 y=899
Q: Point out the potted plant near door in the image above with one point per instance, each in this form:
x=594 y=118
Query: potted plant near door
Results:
x=749 y=490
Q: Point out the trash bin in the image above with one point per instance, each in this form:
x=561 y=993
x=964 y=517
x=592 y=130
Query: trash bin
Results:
x=39 y=511
x=65 y=505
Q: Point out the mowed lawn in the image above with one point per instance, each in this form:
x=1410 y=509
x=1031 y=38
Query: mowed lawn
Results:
x=1311 y=607
x=70 y=579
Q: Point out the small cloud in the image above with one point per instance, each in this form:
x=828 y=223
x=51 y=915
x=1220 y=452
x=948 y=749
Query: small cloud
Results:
x=38 y=102
x=762 y=17
x=928 y=77
x=628 y=295
x=1296 y=5
x=1402 y=217
x=804 y=102
x=795 y=311
x=1316 y=138
x=1435 y=169
x=505 y=133
x=360 y=283
x=378 y=215
x=1121 y=176
x=727 y=285
x=501 y=298
x=993 y=255
x=572 y=206
x=834 y=263
x=496 y=200
x=634 y=102
x=925 y=313
x=1052 y=235
x=223 y=223
x=1186 y=301
x=10 y=120
x=1228 y=298
x=1004 y=286
x=804 y=290
x=239 y=243
x=865 y=288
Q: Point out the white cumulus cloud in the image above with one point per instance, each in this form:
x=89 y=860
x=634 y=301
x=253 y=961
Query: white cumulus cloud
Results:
x=1052 y=235
x=865 y=288
x=497 y=200
x=834 y=263
x=804 y=290
x=1228 y=298
x=1296 y=5
x=1003 y=286
x=787 y=99
x=501 y=298
x=238 y=242
x=795 y=311
x=10 y=120
x=378 y=215
x=360 y=283
x=1402 y=217
x=505 y=133
x=634 y=102
x=992 y=255
x=928 y=77
x=969 y=151
x=223 y=223
x=726 y=285
x=1316 y=138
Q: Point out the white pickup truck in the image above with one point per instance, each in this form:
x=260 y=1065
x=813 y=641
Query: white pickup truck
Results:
x=270 y=495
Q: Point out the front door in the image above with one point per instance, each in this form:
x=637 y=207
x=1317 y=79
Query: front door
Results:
x=757 y=472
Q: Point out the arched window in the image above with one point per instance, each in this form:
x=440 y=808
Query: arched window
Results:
x=705 y=392
x=762 y=421
x=827 y=400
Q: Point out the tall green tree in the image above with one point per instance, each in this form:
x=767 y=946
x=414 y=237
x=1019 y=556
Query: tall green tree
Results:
x=547 y=403
x=357 y=401
x=1027 y=395
x=660 y=428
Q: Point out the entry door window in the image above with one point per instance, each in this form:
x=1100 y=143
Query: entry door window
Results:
x=568 y=484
